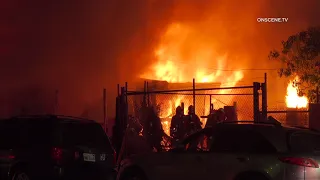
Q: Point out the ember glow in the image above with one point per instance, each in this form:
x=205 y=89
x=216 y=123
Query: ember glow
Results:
x=293 y=100
x=182 y=56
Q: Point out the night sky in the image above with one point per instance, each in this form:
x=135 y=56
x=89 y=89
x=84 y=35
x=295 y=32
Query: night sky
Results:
x=80 y=46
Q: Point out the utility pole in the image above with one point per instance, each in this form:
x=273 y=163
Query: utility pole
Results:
x=105 y=121
x=56 y=103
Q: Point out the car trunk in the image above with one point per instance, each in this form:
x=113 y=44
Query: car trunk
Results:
x=303 y=159
x=85 y=147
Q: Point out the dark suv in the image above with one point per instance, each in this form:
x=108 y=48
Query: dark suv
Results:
x=54 y=147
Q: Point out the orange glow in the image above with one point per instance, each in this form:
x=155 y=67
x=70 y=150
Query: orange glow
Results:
x=182 y=56
x=293 y=100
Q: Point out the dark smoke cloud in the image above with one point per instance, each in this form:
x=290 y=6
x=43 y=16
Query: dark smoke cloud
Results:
x=75 y=46
x=79 y=47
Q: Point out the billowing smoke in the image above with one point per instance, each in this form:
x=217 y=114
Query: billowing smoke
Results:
x=231 y=27
x=79 y=47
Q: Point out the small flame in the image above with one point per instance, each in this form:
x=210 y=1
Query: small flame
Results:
x=293 y=100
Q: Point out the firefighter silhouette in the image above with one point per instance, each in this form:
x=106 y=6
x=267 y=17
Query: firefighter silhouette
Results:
x=152 y=128
x=221 y=115
x=177 y=130
x=133 y=143
x=192 y=121
x=215 y=116
x=212 y=119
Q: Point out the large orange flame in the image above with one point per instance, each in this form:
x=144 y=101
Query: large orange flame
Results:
x=293 y=100
x=182 y=56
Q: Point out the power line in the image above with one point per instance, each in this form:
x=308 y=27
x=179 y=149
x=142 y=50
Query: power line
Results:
x=231 y=70
x=242 y=69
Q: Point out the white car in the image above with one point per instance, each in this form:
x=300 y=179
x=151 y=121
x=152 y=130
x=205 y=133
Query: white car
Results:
x=233 y=151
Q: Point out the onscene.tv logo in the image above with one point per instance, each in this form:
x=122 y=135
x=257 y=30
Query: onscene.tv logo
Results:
x=272 y=20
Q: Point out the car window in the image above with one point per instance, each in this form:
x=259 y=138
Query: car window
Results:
x=200 y=142
x=8 y=134
x=304 y=142
x=90 y=135
x=242 y=141
x=36 y=132
x=25 y=133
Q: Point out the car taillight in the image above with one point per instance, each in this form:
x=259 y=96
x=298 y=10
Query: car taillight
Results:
x=8 y=157
x=306 y=162
x=57 y=154
x=76 y=155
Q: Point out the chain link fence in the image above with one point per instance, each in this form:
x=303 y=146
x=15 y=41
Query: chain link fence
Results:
x=249 y=102
x=290 y=116
x=165 y=102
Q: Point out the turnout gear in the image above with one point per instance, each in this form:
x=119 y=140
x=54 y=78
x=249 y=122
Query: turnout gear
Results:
x=192 y=121
x=177 y=130
x=176 y=123
x=215 y=116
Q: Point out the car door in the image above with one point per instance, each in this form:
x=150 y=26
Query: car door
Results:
x=194 y=159
x=223 y=161
x=191 y=163
x=234 y=150
x=187 y=162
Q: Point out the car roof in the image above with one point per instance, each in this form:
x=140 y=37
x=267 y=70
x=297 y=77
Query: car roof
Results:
x=265 y=124
x=274 y=133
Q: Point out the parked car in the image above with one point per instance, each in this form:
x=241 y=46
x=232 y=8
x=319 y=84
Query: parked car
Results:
x=54 y=147
x=234 y=151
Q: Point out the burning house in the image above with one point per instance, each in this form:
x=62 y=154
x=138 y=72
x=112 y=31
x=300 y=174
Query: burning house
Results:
x=165 y=97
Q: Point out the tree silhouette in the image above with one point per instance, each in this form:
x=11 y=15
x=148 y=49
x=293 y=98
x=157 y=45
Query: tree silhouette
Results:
x=300 y=57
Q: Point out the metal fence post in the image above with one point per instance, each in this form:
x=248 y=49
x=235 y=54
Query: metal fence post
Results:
x=148 y=97
x=126 y=105
x=144 y=101
x=256 y=114
x=126 y=91
x=105 y=123
x=122 y=111
x=194 y=94
x=56 y=103
x=118 y=89
x=120 y=129
x=264 y=100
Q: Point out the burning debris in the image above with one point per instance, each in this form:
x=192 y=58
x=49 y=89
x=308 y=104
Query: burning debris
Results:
x=293 y=99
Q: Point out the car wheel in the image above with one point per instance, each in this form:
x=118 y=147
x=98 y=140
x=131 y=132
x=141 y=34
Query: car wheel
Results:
x=20 y=175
